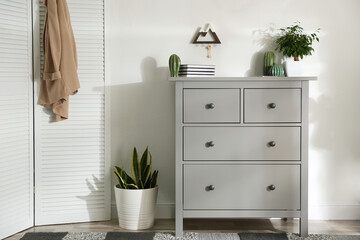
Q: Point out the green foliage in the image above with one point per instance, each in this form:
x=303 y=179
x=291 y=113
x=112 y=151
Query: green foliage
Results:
x=293 y=42
x=141 y=172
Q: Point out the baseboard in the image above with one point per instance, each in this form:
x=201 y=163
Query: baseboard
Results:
x=316 y=212
x=334 y=212
x=161 y=211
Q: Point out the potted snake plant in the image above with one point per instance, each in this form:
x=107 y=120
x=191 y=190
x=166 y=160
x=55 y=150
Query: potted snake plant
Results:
x=136 y=195
x=294 y=44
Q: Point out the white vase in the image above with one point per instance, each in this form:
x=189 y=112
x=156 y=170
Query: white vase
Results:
x=136 y=207
x=294 y=68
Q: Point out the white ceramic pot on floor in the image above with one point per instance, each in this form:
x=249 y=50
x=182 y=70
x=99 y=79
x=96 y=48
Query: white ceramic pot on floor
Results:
x=136 y=207
x=294 y=68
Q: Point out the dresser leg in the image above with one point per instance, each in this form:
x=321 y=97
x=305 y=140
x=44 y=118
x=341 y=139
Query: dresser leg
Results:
x=303 y=227
x=178 y=227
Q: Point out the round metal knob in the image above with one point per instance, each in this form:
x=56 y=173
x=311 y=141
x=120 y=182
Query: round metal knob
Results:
x=210 y=188
x=272 y=105
x=210 y=106
x=272 y=143
x=271 y=187
x=210 y=144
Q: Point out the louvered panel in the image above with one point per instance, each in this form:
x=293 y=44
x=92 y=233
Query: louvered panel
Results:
x=75 y=208
x=13 y=200
x=16 y=181
x=88 y=27
x=5 y=16
x=70 y=204
x=71 y=185
x=77 y=179
x=13 y=127
x=10 y=23
x=10 y=217
x=51 y=187
x=14 y=43
x=80 y=158
x=21 y=168
x=9 y=159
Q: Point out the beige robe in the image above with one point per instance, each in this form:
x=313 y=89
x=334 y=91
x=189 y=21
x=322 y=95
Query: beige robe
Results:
x=60 y=77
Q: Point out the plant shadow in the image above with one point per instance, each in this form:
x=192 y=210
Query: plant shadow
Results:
x=265 y=38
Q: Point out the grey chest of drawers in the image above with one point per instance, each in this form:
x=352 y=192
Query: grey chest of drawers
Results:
x=242 y=148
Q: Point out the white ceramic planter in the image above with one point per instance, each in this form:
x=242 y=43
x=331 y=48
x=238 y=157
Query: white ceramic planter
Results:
x=294 y=68
x=136 y=207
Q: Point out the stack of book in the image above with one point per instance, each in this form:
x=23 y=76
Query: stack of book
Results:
x=196 y=70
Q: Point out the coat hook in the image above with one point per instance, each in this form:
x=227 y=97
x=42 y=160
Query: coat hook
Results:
x=209 y=51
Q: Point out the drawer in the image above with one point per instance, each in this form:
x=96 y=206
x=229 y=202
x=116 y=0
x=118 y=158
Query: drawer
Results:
x=211 y=105
x=242 y=187
x=241 y=143
x=272 y=105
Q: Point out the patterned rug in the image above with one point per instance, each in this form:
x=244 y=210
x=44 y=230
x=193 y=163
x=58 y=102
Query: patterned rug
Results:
x=170 y=236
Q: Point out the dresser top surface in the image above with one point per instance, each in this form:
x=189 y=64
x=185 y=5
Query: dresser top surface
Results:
x=241 y=79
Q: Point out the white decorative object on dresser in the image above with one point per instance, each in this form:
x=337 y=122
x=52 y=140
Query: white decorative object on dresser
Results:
x=242 y=148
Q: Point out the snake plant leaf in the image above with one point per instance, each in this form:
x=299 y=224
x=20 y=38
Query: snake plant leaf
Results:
x=127 y=179
x=118 y=172
x=141 y=173
x=146 y=175
x=148 y=183
x=153 y=182
x=150 y=162
x=148 y=178
x=142 y=185
x=122 y=182
x=131 y=186
x=147 y=172
x=121 y=185
x=143 y=163
x=135 y=167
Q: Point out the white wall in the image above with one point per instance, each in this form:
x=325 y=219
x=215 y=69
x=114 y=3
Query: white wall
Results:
x=143 y=34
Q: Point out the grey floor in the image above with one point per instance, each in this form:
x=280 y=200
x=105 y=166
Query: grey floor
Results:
x=348 y=227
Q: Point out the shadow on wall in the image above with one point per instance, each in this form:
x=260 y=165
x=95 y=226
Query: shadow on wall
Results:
x=265 y=38
x=96 y=187
x=143 y=115
x=322 y=141
x=322 y=138
x=48 y=112
x=335 y=153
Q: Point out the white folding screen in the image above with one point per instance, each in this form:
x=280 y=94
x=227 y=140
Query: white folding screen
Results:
x=71 y=168
x=16 y=114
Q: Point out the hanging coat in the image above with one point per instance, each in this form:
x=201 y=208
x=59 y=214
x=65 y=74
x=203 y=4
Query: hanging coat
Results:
x=60 y=77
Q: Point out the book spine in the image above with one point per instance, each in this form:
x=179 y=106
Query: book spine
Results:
x=196 y=66
x=197 y=69
x=196 y=75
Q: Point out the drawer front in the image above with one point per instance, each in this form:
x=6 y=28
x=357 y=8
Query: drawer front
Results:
x=272 y=105
x=242 y=187
x=211 y=105
x=241 y=143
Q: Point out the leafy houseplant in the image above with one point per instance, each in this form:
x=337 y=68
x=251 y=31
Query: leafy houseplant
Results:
x=296 y=44
x=136 y=195
x=293 y=42
x=141 y=173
